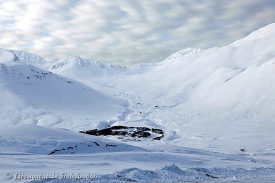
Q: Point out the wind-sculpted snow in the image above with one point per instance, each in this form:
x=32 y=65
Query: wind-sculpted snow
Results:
x=172 y=173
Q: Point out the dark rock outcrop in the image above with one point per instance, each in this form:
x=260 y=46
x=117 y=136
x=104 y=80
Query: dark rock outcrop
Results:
x=125 y=131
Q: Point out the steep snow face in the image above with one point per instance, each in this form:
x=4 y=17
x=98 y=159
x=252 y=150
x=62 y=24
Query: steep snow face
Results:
x=25 y=57
x=183 y=53
x=28 y=57
x=33 y=95
x=6 y=56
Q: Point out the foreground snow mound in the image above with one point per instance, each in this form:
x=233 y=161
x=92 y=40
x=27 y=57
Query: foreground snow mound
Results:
x=172 y=173
x=33 y=139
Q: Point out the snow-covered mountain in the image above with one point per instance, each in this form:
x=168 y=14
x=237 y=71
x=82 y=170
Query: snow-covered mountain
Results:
x=7 y=56
x=210 y=88
x=219 y=77
x=221 y=96
x=219 y=99
x=33 y=95
x=21 y=56
x=87 y=69
x=183 y=53
x=94 y=71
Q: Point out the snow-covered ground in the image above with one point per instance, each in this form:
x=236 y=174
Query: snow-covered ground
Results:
x=216 y=108
x=31 y=153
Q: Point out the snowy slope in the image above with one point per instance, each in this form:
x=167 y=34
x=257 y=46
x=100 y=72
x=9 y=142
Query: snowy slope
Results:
x=30 y=151
x=33 y=139
x=33 y=95
x=220 y=98
x=34 y=153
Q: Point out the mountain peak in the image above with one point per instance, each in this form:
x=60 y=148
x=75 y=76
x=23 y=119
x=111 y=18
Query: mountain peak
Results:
x=264 y=31
x=7 y=55
x=74 y=57
x=184 y=52
x=75 y=61
x=267 y=32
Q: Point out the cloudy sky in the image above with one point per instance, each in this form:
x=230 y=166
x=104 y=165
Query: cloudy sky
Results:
x=127 y=31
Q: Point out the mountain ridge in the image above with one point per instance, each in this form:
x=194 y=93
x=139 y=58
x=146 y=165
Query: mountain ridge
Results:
x=26 y=57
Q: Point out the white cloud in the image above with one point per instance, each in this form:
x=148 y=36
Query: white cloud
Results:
x=125 y=31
